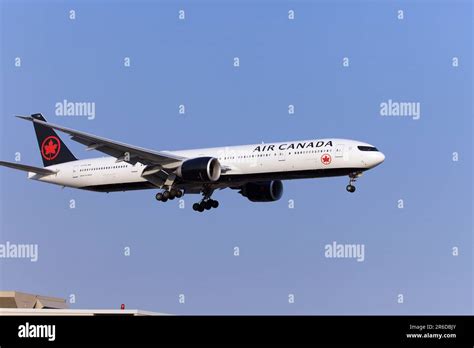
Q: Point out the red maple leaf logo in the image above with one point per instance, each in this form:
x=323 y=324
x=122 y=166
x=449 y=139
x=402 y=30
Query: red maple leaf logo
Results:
x=326 y=158
x=50 y=148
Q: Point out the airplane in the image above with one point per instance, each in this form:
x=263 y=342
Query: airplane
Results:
x=255 y=170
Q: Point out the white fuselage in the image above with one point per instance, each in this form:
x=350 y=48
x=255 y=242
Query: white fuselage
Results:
x=285 y=160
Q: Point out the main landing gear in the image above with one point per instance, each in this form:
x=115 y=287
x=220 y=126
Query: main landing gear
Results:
x=169 y=194
x=207 y=203
x=352 y=179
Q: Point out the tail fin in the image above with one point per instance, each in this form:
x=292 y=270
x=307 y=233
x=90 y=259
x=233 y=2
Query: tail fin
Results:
x=53 y=150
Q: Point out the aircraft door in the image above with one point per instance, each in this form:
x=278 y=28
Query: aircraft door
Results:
x=339 y=150
x=75 y=171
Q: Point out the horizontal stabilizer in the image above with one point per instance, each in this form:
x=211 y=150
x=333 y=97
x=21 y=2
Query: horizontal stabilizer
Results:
x=25 y=168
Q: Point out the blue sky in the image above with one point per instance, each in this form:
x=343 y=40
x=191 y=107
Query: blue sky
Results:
x=177 y=251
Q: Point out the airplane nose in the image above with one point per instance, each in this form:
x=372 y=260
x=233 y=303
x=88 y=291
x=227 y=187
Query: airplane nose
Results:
x=381 y=158
x=374 y=159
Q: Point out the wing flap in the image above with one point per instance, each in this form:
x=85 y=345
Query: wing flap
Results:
x=156 y=176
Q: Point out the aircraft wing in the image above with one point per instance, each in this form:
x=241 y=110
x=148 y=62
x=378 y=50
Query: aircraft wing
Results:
x=121 y=151
x=25 y=168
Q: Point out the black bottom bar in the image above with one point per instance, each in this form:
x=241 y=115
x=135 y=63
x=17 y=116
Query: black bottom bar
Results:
x=412 y=330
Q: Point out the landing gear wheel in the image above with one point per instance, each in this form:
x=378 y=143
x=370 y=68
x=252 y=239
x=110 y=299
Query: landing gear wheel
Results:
x=159 y=196
x=166 y=195
x=179 y=194
x=173 y=193
x=164 y=199
x=352 y=179
x=207 y=205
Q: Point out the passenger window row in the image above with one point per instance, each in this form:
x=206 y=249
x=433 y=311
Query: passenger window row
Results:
x=269 y=155
x=101 y=168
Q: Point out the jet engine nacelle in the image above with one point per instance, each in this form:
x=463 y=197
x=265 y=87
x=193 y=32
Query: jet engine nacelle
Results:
x=265 y=191
x=201 y=169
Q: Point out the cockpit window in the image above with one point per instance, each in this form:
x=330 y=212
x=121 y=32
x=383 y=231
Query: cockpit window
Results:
x=367 y=148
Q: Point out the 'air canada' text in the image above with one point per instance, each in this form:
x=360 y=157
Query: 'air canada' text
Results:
x=293 y=146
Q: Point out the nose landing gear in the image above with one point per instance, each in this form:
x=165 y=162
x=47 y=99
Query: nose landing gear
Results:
x=350 y=188
x=352 y=179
